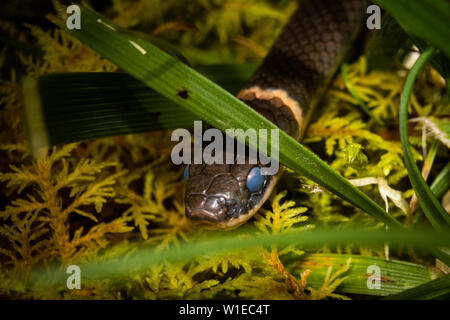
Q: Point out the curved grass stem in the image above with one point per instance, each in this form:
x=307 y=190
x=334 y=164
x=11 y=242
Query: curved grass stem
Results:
x=428 y=202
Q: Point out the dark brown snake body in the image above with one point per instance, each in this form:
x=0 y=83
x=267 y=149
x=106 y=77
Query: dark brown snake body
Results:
x=284 y=89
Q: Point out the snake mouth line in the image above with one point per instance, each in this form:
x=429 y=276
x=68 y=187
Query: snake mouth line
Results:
x=223 y=225
x=202 y=214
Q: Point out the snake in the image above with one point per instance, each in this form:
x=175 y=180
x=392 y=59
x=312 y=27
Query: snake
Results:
x=285 y=88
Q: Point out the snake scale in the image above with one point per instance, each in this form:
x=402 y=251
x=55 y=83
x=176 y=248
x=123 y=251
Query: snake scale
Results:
x=284 y=89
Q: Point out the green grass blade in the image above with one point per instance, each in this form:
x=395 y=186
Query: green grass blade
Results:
x=145 y=257
x=439 y=187
x=82 y=106
x=435 y=289
x=395 y=276
x=209 y=102
x=441 y=183
x=427 y=19
x=428 y=202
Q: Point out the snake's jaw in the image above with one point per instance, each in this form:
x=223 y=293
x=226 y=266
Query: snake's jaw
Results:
x=200 y=215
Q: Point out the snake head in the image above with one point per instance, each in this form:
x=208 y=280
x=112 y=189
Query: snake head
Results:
x=224 y=195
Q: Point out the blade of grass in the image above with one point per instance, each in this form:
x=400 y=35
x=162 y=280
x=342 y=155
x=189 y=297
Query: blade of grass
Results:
x=209 y=102
x=426 y=168
x=423 y=18
x=395 y=276
x=81 y=106
x=441 y=183
x=435 y=289
x=439 y=187
x=428 y=202
x=146 y=257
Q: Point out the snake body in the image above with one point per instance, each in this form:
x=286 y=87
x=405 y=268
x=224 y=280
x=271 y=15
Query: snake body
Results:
x=284 y=89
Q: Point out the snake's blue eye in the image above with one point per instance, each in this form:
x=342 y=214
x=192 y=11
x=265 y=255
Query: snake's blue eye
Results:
x=186 y=173
x=254 y=180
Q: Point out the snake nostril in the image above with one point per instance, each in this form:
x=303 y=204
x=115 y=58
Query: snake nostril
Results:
x=201 y=207
x=212 y=208
x=214 y=204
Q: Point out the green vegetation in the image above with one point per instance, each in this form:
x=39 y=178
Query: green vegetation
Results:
x=112 y=202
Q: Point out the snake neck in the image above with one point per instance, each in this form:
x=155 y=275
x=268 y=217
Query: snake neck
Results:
x=276 y=106
x=301 y=63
